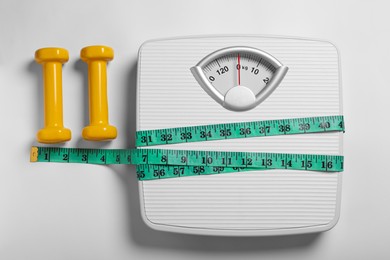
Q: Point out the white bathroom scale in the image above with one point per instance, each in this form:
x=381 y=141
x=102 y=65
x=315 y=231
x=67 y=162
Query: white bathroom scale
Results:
x=207 y=80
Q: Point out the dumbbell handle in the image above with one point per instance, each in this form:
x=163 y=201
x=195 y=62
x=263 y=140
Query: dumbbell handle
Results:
x=52 y=81
x=98 y=104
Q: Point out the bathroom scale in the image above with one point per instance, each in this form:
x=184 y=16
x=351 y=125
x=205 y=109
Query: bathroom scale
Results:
x=208 y=80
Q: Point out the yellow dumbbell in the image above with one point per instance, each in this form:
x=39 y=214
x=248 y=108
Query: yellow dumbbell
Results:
x=99 y=128
x=52 y=60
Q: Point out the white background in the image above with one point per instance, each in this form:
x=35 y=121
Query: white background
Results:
x=58 y=211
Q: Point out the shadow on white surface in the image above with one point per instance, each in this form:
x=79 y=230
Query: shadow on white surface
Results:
x=140 y=234
x=36 y=70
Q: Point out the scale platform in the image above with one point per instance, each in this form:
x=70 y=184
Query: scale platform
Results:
x=254 y=203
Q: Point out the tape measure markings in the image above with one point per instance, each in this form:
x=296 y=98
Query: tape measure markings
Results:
x=239 y=130
x=174 y=163
x=153 y=172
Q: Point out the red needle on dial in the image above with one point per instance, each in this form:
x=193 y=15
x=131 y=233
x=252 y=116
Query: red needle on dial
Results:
x=239 y=70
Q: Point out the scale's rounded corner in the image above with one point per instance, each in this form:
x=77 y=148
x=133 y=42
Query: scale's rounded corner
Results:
x=150 y=224
x=144 y=217
x=334 y=45
x=147 y=221
x=328 y=226
x=142 y=46
x=316 y=229
x=333 y=222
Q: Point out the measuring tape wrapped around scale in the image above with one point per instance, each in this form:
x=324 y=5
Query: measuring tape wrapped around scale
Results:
x=166 y=163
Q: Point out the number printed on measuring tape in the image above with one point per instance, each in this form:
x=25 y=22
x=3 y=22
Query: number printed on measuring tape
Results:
x=239 y=130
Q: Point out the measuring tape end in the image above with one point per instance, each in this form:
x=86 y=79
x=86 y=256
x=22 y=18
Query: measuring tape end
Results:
x=34 y=154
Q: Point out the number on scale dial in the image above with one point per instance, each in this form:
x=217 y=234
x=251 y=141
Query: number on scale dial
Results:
x=239 y=78
x=239 y=70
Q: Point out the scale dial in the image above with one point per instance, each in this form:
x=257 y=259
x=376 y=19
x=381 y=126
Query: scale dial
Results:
x=239 y=78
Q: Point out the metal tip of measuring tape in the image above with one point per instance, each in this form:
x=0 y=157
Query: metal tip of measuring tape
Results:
x=34 y=154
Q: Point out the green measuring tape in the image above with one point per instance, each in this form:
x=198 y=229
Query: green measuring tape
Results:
x=167 y=163
x=239 y=130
